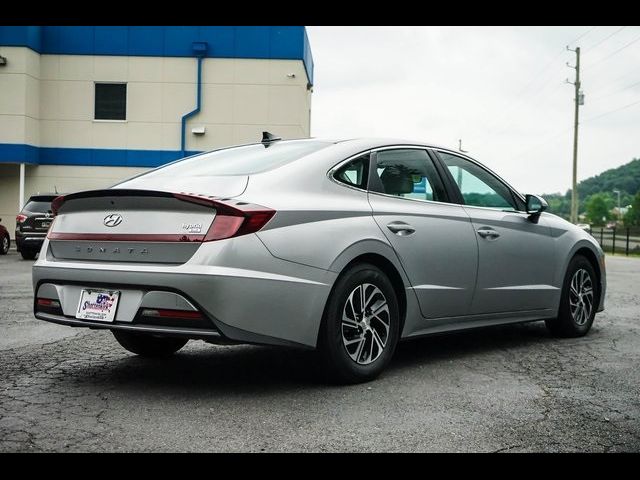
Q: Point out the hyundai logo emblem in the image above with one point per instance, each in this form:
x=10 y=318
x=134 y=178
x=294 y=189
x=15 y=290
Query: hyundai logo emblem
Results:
x=113 y=220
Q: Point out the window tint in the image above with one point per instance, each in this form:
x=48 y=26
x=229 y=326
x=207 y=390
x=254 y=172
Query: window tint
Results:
x=243 y=160
x=111 y=101
x=478 y=187
x=408 y=173
x=38 y=206
x=355 y=172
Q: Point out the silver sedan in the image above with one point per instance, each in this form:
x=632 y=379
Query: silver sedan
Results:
x=345 y=247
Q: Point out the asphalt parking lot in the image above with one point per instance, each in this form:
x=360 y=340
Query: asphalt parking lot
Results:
x=501 y=389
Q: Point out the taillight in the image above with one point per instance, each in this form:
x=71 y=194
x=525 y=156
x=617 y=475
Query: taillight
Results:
x=20 y=218
x=47 y=302
x=56 y=204
x=231 y=220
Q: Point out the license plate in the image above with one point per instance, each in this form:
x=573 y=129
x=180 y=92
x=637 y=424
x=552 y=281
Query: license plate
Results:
x=98 y=305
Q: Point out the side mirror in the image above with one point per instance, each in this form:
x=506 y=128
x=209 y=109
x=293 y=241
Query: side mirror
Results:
x=535 y=206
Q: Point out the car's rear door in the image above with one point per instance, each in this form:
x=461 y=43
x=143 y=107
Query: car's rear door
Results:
x=516 y=255
x=432 y=237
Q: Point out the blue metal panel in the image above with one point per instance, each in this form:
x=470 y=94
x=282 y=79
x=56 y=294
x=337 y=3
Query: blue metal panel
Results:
x=79 y=40
x=146 y=41
x=285 y=42
x=20 y=153
x=307 y=58
x=21 y=37
x=177 y=41
x=111 y=40
x=252 y=42
x=221 y=41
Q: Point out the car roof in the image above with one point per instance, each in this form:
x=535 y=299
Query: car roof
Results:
x=372 y=142
x=44 y=197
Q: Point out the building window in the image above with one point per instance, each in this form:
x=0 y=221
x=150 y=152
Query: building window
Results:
x=111 y=101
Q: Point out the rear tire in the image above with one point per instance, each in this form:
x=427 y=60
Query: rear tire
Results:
x=28 y=254
x=5 y=244
x=147 y=345
x=357 y=339
x=578 y=302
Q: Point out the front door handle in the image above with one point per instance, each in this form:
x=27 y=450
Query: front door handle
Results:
x=488 y=233
x=401 y=228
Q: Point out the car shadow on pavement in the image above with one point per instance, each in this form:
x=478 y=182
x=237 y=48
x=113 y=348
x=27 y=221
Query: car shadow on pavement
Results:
x=202 y=368
x=457 y=345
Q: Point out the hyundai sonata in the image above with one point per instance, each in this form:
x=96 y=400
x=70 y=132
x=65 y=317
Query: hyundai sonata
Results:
x=346 y=247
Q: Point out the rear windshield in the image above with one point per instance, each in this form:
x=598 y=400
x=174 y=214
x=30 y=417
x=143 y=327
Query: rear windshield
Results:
x=244 y=160
x=38 y=206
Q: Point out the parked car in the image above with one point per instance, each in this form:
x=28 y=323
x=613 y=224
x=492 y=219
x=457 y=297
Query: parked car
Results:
x=584 y=226
x=5 y=240
x=32 y=224
x=345 y=247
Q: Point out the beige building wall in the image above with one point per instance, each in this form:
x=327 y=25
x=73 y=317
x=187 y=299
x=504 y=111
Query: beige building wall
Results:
x=240 y=99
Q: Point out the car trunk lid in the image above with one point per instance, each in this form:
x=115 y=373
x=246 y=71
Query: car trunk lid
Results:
x=149 y=226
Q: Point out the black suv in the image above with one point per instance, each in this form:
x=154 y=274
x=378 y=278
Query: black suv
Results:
x=32 y=224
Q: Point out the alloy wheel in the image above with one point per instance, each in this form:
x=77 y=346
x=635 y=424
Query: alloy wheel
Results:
x=365 y=324
x=581 y=296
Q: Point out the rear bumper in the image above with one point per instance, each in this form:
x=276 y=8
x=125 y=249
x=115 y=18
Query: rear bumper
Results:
x=31 y=241
x=248 y=295
x=192 y=333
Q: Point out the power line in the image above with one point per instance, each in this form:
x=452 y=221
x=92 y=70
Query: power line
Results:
x=615 y=52
x=583 y=35
x=612 y=111
x=535 y=77
x=614 y=92
x=549 y=140
x=592 y=47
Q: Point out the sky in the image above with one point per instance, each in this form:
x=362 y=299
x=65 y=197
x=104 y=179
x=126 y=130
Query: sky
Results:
x=501 y=90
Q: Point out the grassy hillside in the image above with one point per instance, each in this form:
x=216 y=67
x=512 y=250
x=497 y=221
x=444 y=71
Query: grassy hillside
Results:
x=625 y=178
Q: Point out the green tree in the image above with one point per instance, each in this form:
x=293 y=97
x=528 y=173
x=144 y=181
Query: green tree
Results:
x=632 y=217
x=598 y=208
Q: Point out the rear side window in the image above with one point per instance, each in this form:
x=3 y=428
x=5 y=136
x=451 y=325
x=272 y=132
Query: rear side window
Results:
x=244 y=160
x=408 y=173
x=354 y=173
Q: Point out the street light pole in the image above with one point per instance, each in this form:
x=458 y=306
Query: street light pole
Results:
x=618 y=192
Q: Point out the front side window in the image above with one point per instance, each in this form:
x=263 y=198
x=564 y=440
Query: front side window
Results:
x=408 y=173
x=110 y=101
x=355 y=172
x=478 y=187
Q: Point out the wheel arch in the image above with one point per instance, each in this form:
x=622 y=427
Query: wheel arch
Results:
x=590 y=255
x=382 y=256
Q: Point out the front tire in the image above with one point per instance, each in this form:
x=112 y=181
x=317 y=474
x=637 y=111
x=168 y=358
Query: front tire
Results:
x=147 y=345
x=578 y=302
x=5 y=244
x=360 y=327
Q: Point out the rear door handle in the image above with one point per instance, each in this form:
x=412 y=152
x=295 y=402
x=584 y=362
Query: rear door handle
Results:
x=401 y=228
x=488 y=233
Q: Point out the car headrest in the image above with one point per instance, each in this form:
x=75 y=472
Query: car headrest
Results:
x=396 y=181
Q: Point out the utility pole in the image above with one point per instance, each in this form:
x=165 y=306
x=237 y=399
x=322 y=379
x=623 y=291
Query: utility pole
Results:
x=579 y=100
x=618 y=192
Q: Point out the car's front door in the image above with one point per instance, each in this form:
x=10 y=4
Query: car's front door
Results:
x=434 y=239
x=516 y=255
